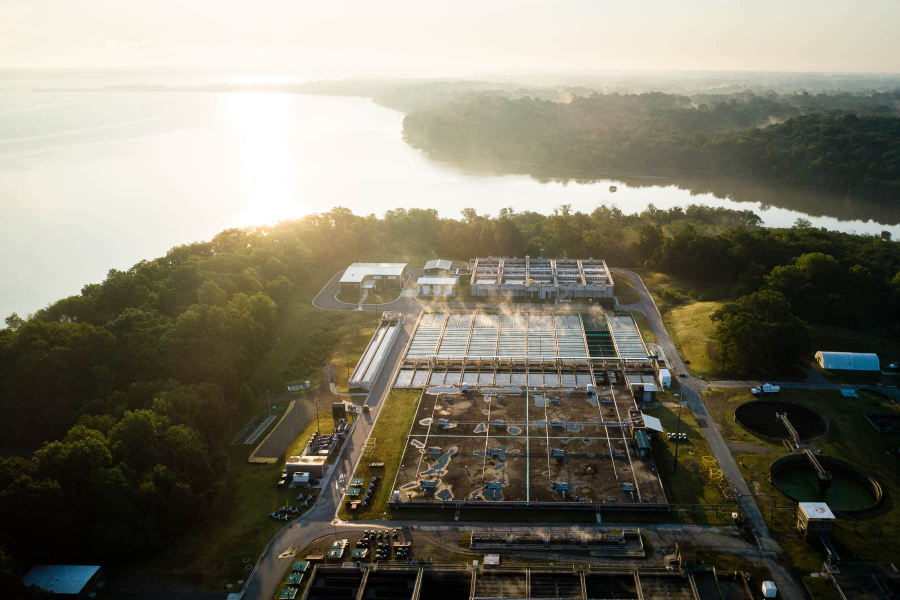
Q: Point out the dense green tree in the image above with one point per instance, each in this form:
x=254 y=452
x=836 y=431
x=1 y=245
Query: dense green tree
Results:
x=759 y=333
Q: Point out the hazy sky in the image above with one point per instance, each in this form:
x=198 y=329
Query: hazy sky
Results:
x=426 y=37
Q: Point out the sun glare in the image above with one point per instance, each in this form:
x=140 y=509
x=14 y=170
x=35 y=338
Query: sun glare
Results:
x=261 y=121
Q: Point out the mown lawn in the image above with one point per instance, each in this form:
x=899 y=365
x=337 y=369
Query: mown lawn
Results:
x=689 y=482
x=625 y=292
x=721 y=403
x=692 y=333
x=643 y=324
x=390 y=432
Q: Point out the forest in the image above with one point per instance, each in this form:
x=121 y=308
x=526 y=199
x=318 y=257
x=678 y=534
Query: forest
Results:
x=845 y=143
x=116 y=404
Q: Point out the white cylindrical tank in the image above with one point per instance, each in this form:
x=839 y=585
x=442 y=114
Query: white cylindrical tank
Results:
x=590 y=388
x=465 y=387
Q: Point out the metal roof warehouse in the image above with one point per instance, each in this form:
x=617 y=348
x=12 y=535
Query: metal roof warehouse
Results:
x=848 y=361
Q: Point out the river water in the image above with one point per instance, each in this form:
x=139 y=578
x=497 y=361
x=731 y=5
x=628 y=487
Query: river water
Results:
x=96 y=180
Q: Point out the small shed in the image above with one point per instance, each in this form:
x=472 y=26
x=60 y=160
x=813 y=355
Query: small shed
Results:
x=686 y=552
x=848 y=361
x=438 y=267
x=814 y=519
x=643 y=443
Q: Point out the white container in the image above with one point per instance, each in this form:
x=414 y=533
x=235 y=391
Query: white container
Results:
x=769 y=590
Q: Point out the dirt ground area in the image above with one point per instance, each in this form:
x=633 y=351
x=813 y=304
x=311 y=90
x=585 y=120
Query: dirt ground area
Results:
x=559 y=447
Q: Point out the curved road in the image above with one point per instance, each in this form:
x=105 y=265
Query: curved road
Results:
x=322 y=518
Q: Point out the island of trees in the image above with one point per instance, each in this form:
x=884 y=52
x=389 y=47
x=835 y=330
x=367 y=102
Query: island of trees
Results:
x=846 y=143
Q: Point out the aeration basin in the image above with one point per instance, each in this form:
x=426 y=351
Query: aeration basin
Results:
x=759 y=417
x=852 y=489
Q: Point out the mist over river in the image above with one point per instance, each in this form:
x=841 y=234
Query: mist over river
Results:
x=96 y=180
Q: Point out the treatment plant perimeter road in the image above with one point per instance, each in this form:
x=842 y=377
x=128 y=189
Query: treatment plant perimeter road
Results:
x=322 y=520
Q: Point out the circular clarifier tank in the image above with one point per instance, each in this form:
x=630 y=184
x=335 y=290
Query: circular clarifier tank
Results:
x=759 y=417
x=851 y=490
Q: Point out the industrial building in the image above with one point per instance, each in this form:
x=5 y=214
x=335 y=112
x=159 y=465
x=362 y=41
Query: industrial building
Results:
x=814 y=519
x=438 y=267
x=540 y=278
x=372 y=360
x=848 y=361
x=73 y=581
x=565 y=350
x=535 y=409
x=362 y=278
x=432 y=285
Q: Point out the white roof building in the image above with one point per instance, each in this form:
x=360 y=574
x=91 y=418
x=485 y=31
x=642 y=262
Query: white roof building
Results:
x=61 y=579
x=356 y=272
x=434 y=280
x=848 y=361
x=816 y=510
x=443 y=265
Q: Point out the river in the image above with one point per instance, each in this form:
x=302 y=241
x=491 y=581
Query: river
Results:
x=96 y=180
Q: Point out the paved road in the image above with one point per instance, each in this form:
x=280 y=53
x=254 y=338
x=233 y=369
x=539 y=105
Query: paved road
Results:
x=326 y=299
x=788 y=586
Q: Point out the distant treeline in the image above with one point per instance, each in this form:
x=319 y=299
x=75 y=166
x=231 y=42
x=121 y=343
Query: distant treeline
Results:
x=846 y=142
x=134 y=385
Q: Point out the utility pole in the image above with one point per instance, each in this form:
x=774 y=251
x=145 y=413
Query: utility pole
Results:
x=678 y=436
x=269 y=402
x=317 y=414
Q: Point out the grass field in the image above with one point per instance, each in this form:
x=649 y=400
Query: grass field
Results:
x=625 y=292
x=393 y=424
x=819 y=588
x=692 y=333
x=643 y=324
x=380 y=297
x=689 y=483
x=721 y=403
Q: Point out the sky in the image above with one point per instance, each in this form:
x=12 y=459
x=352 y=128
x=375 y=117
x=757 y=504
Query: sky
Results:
x=431 y=38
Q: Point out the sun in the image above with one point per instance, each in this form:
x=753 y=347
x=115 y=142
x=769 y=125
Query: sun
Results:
x=261 y=121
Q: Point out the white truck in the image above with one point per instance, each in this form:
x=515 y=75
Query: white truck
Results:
x=766 y=389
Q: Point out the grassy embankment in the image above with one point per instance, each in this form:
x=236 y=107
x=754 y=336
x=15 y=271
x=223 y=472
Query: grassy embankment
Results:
x=390 y=432
x=643 y=324
x=382 y=297
x=625 y=292
x=851 y=438
x=238 y=526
